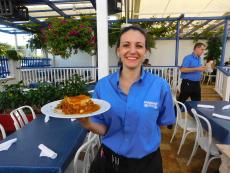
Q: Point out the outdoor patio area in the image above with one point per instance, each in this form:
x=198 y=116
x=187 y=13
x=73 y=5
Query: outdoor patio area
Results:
x=105 y=84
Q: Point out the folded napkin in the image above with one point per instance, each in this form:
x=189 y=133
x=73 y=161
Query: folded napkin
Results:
x=205 y=106
x=226 y=107
x=47 y=118
x=73 y=119
x=45 y=151
x=6 y=145
x=221 y=116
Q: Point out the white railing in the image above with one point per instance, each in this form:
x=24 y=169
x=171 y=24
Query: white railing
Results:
x=222 y=85
x=169 y=73
x=54 y=75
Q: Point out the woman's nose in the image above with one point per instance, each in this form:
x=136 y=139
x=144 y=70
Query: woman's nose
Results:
x=132 y=49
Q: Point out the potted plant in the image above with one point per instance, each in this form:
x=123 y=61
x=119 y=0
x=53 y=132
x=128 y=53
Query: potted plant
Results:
x=13 y=55
x=3 y=48
x=64 y=37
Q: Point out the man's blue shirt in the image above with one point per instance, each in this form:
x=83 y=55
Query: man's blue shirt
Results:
x=133 y=120
x=191 y=61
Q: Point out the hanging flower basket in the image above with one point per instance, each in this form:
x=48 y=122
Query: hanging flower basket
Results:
x=66 y=36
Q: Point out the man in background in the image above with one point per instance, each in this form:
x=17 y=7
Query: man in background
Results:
x=191 y=73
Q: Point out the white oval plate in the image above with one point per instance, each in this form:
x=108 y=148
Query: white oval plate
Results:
x=50 y=110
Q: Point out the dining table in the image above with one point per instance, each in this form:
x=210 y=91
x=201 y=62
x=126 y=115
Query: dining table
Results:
x=220 y=127
x=63 y=136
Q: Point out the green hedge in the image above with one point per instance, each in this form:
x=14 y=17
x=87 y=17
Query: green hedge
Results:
x=13 y=95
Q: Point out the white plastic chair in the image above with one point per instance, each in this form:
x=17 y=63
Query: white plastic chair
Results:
x=206 y=142
x=90 y=149
x=3 y=132
x=210 y=78
x=188 y=125
x=19 y=116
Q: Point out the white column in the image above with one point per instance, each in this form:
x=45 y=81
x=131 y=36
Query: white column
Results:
x=16 y=41
x=14 y=72
x=226 y=88
x=54 y=64
x=102 y=38
x=94 y=64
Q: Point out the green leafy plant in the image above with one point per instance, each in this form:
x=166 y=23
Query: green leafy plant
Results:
x=35 y=42
x=13 y=54
x=214 y=49
x=3 y=48
x=14 y=96
x=11 y=97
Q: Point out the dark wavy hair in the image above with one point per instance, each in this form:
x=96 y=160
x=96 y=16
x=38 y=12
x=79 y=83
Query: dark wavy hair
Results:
x=135 y=28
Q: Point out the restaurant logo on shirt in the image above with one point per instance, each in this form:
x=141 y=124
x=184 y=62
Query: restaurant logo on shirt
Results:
x=151 y=104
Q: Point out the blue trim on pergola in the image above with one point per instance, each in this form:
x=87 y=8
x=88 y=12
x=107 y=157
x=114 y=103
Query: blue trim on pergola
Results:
x=63 y=9
x=177 y=42
x=177 y=38
x=2 y=21
x=55 y=8
x=36 y=21
x=68 y=15
x=93 y=2
x=33 y=2
x=5 y=31
x=172 y=19
x=67 y=1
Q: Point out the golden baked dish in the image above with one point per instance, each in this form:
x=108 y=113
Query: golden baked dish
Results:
x=81 y=104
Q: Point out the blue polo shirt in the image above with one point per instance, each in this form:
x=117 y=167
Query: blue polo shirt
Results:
x=133 y=120
x=191 y=61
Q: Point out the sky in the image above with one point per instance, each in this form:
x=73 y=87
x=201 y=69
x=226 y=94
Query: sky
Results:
x=10 y=39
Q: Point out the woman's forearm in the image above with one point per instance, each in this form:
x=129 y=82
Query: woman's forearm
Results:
x=97 y=128
x=188 y=70
x=94 y=127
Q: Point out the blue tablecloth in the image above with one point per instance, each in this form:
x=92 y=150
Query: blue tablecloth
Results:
x=61 y=135
x=220 y=127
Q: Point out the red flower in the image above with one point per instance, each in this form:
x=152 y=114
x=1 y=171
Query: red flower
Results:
x=73 y=33
x=49 y=26
x=63 y=21
x=81 y=26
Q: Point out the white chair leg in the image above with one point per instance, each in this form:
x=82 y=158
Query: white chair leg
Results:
x=205 y=168
x=202 y=81
x=209 y=80
x=193 y=152
x=205 y=165
x=184 y=136
x=174 y=133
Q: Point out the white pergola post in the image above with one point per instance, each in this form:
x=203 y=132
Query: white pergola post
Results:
x=102 y=38
x=16 y=41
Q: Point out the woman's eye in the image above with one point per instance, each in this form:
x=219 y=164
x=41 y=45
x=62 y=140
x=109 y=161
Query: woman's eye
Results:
x=139 y=46
x=125 y=45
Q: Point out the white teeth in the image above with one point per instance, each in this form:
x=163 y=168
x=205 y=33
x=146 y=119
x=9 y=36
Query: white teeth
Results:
x=131 y=58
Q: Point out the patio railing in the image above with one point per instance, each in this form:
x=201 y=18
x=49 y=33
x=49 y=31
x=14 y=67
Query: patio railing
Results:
x=35 y=62
x=61 y=74
x=54 y=75
x=222 y=85
x=4 y=69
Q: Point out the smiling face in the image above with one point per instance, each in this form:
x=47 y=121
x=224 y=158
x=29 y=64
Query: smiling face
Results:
x=132 y=49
